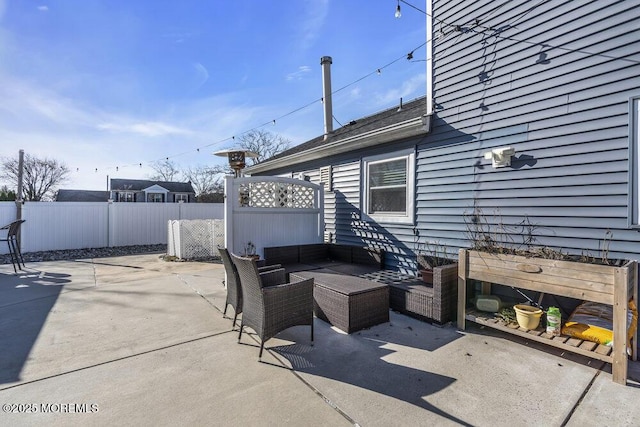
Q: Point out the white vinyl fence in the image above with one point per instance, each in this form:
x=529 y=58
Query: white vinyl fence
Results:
x=77 y=225
x=272 y=211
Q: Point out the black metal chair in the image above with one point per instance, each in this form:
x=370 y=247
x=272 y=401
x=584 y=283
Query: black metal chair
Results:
x=269 y=304
x=234 y=292
x=13 y=229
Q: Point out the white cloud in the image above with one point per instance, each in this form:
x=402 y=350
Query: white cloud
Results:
x=43 y=8
x=298 y=75
x=144 y=128
x=413 y=87
x=312 y=22
x=202 y=74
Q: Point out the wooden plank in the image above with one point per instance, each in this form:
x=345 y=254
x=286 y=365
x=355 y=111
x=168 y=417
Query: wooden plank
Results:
x=463 y=273
x=560 y=339
x=588 y=345
x=574 y=342
x=544 y=263
x=537 y=332
x=603 y=349
x=557 y=342
x=620 y=309
x=605 y=298
x=633 y=278
x=542 y=279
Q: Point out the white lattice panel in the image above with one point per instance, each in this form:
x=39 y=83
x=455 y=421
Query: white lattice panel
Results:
x=196 y=239
x=276 y=195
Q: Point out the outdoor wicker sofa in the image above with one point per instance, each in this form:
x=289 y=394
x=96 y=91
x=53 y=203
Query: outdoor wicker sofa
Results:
x=347 y=259
x=407 y=294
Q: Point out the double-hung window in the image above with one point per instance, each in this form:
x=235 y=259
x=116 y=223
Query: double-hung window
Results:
x=181 y=198
x=126 y=196
x=388 y=183
x=155 y=197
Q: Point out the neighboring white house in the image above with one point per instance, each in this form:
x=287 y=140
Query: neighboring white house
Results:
x=134 y=190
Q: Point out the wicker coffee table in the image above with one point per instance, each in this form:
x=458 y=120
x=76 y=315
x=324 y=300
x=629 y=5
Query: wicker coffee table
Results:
x=347 y=302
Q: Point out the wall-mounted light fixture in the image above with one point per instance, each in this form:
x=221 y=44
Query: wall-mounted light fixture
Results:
x=237 y=157
x=500 y=157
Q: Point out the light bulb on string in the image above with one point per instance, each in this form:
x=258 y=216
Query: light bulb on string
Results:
x=398 y=13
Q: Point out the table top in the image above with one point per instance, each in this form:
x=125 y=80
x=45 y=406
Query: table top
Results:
x=339 y=282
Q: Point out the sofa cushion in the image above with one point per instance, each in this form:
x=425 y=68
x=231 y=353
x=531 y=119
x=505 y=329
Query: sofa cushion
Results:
x=367 y=256
x=340 y=253
x=310 y=254
x=281 y=255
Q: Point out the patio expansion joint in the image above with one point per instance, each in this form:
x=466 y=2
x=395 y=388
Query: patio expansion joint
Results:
x=118 y=359
x=182 y=279
x=581 y=398
x=314 y=389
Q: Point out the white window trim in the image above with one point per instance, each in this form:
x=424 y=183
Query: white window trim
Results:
x=407 y=218
x=634 y=162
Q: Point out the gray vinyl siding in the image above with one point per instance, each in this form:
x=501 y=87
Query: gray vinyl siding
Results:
x=539 y=87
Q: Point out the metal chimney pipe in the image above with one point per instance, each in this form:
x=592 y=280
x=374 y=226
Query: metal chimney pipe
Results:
x=326 y=62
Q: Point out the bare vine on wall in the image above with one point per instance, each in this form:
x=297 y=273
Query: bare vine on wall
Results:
x=491 y=234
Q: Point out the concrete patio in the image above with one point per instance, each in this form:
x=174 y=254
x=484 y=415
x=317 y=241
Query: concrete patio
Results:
x=136 y=340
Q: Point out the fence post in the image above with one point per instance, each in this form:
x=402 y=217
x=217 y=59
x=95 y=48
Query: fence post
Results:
x=110 y=223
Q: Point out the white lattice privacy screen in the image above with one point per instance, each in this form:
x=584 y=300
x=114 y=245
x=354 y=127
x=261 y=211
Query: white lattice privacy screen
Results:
x=264 y=194
x=195 y=239
x=272 y=211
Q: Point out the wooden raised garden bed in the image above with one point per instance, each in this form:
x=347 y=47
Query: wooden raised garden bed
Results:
x=582 y=281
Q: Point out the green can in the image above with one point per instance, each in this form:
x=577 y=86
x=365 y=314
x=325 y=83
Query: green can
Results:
x=554 y=321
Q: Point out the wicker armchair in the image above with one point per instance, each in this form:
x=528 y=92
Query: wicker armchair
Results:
x=269 y=310
x=234 y=293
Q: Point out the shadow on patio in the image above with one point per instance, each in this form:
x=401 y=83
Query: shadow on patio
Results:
x=374 y=359
x=27 y=299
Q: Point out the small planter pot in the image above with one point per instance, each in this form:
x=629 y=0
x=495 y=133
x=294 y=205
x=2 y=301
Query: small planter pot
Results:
x=528 y=317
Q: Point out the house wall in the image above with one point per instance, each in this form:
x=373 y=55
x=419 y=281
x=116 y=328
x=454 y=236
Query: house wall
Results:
x=536 y=86
x=553 y=81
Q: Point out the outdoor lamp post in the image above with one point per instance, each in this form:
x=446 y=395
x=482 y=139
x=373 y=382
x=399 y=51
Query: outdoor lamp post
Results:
x=236 y=158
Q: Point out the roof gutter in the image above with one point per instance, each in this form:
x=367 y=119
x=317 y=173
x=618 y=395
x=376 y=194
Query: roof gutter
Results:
x=407 y=129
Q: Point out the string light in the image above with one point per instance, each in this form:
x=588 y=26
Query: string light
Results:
x=398 y=13
x=377 y=71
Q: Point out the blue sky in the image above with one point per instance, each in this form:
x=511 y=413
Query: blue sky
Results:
x=110 y=84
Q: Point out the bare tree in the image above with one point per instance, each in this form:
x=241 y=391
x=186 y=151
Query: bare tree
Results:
x=264 y=143
x=165 y=170
x=207 y=182
x=40 y=176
